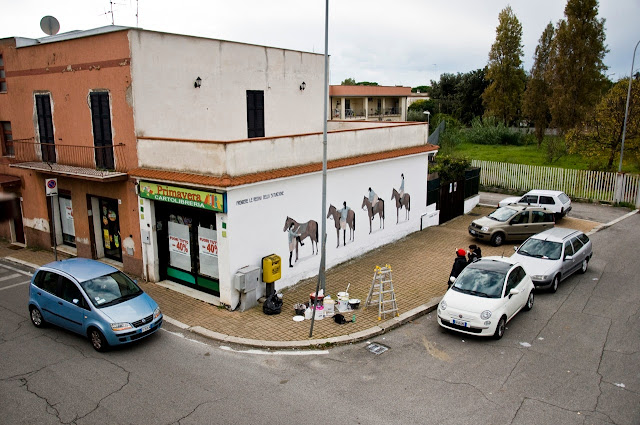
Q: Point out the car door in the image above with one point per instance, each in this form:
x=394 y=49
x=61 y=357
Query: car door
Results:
x=549 y=203
x=530 y=200
x=71 y=305
x=46 y=283
x=579 y=252
x=515 y=301
x=568 y=264
x=519 y=226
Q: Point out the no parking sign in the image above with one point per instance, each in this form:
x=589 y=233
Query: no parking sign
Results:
x=51 y=186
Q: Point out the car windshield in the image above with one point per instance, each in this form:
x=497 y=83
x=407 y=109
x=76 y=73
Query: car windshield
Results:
x=563 y=198
x=479 y=282
x=502 y=214
x=541 y=249
x=110 y=289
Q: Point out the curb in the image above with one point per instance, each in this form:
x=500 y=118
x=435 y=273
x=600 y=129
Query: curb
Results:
x=380 y=329
x=612 y=222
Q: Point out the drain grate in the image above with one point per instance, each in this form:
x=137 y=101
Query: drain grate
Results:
x=376 y=348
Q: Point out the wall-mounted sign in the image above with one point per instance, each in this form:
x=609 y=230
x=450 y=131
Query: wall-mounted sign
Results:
x=179 y=245
x=182 y=196
x=51 y=186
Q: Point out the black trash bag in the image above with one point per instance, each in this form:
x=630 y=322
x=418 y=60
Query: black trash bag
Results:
x=273 y=305
x=339 y=319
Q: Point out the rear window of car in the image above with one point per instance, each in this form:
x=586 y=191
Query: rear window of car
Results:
x=563 y=198
x=547 y=200
x=583 y=238
x=47 y=281
x=541 y=217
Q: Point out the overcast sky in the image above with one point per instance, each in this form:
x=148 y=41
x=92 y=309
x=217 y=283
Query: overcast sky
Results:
x=393 y=42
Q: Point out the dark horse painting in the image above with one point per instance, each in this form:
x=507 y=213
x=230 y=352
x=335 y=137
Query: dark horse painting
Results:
x=378 y=209
x=351 y=222
x=404 y=202
x=306 y=230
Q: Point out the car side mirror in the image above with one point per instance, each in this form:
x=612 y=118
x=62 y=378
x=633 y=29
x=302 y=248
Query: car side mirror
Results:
x=568 y=258
x=514 y=291
x=76 y=301
x=515 y=248
x=452 y=279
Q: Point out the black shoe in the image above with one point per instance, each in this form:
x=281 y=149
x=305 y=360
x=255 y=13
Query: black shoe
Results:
x=301 y=244
x=290 y=265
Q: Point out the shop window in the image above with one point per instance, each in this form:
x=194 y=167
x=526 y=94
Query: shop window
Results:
x=6 y=137
x=3 y=78
x=66 y=220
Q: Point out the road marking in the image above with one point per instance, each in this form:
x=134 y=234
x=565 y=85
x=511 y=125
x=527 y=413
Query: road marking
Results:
x=15 y=270
x=277 y=353
x=183 y=336
x=13 y=286
x=11 y=276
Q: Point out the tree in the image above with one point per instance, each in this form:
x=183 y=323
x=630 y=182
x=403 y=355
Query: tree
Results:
x=535 y=104
x=348 y=82
x=421 y=89
x=576 y=69
x=600 y=135
x=459 y=95
x=366 y=83
x=503 y=97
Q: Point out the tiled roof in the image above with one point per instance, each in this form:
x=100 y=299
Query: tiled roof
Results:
x=369 y=91
x=229 y=181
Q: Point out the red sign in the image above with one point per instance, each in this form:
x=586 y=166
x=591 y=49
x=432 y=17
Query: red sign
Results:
x=208 y=246
x=179 y=245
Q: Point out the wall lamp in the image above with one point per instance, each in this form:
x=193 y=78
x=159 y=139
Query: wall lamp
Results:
x=303 y=86
x=198 y=83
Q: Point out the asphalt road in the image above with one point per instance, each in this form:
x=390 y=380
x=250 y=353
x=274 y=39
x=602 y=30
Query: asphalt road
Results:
x=573 y=359
x=600 y=213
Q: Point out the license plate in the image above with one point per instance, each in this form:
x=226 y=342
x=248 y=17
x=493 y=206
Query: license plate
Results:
x=145 y=328
x=460 y=323
x=473 y=232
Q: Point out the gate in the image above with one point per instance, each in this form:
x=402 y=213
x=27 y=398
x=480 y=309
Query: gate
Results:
x=451 y=200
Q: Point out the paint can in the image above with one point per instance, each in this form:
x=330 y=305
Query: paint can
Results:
x=319 y=313
x=329 y=306
x=343 y=303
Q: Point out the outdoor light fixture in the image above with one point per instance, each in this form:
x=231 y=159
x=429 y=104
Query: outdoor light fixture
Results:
x=198 y=83
x=303 y=86
x=428 y=114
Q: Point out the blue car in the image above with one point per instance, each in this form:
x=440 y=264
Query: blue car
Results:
x=93 y=299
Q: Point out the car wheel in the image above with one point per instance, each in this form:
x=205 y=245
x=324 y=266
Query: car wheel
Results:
x=502 y=324
x=554 y=283
x=36 y=317
x=585 y=265
x=529 y=305
x=497 y=239
x=98 y=340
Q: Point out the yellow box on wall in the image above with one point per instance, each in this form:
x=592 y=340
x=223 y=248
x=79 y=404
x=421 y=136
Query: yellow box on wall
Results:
x=271 y=270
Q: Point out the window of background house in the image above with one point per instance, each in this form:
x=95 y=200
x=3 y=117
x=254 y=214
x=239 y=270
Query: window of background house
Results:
x=6 y=137
x=3 y=81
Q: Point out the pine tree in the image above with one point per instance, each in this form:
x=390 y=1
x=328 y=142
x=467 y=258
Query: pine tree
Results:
x=535 y=104
x=503 y=96
x=576 y=71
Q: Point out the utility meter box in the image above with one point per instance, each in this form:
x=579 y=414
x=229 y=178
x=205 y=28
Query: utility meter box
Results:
x=271 y=270
x=247 y=278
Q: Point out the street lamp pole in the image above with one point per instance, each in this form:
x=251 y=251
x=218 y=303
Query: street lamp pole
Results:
x=626 y=110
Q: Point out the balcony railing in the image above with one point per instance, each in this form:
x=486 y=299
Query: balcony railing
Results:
x=99 y=159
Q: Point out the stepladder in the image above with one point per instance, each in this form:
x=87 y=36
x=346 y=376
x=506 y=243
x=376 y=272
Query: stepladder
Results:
x=382 y=293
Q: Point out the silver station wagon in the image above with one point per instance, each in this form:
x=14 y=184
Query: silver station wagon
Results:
x=553 y=255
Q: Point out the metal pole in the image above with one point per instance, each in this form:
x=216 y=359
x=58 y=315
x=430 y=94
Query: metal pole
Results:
x=53 y=227
x=626 y=110
x=321 y=276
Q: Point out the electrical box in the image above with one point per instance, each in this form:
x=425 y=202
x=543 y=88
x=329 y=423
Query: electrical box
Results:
x=247 y=278
x=145 y=235
x=271 y=269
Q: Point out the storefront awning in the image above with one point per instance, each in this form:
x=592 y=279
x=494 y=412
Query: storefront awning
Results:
x=10 y=182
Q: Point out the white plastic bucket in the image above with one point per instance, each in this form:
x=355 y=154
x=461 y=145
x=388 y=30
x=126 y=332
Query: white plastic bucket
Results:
x=343 y=303
x=319 y=313
x=329 y=307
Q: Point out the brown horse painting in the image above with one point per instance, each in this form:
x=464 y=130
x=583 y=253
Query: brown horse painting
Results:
x=351 y=222
x=306 y=230
x=378 y=209
x=404 y=202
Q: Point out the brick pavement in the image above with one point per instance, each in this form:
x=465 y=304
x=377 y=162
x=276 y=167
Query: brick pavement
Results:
x=421 y=263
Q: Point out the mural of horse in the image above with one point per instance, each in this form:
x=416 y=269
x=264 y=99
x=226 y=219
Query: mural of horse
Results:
x=404 y=202
x=306 y=230
x=378 y=209
x=351 y=222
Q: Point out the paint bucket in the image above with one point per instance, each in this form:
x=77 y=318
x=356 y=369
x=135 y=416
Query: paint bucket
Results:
x=319 y=313
x=312 y=298
x=343 y=303
x=329 y=305
x=343 y=294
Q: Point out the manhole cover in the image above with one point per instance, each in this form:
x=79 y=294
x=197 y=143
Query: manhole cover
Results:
x=376 y=348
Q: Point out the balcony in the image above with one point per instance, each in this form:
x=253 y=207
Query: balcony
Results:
x=104 y=163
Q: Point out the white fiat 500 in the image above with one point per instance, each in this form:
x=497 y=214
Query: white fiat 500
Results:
x=485 y=296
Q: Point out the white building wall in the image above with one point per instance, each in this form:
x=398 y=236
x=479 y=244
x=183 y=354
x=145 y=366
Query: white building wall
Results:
x=257 y=214
x=164 y=68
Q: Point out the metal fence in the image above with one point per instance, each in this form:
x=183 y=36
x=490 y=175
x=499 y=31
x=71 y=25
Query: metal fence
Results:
x=599 y=186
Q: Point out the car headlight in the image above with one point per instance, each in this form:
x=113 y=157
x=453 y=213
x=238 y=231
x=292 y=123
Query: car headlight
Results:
x=485 y=315
x=123 y=326
x=156 y=313
x=484 y=229
x=443 y=305
x=539 y=277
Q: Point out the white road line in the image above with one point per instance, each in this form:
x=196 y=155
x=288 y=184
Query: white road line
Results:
x=15 y=270
x=277 y=353
x=13 y=286
x=11 y=276
x=182 y=336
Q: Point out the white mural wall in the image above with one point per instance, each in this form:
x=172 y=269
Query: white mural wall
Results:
x=257 y=213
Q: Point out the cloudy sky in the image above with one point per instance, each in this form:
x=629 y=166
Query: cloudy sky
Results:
x=400 y=42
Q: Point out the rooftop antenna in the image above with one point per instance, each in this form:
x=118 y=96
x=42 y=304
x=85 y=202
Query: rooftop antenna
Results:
x=111 y=3
x=49 y=25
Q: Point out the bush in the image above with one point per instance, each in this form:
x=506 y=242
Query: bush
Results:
x=490 y=131
x=450 y=169
x=555 y=148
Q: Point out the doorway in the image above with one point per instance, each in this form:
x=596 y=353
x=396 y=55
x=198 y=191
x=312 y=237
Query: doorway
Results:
x=109 y=218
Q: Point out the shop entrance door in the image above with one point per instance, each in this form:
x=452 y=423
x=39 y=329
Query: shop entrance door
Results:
x=110 y=225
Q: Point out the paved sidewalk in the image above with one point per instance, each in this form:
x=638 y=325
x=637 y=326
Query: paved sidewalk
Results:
x=421 y=263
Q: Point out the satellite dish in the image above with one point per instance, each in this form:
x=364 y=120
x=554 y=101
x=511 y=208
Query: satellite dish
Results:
x=49 y=25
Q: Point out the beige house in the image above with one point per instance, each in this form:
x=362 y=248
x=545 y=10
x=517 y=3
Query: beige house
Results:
x=369 y=103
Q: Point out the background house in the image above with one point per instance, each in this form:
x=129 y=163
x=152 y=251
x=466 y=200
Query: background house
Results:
x=369 y=103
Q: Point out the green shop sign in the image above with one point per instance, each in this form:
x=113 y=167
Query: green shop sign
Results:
x=182 y=196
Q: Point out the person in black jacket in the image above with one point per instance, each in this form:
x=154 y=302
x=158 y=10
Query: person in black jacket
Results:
x=458 y=264
x=475 y=253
